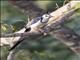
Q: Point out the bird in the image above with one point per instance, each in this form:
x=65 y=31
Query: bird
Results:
x=43 y=19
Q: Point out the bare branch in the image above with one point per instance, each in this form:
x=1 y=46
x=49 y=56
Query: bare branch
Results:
x=52 y=26
x=11 y=55
x=61 y=11
x=68 y=37
x=27 y=34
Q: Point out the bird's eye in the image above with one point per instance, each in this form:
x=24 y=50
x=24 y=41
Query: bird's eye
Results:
x=46 y=15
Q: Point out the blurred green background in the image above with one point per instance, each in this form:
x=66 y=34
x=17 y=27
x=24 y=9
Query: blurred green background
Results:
x=46 y=48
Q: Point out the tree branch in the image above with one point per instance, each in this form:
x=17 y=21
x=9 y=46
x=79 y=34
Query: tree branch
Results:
x=68 y=37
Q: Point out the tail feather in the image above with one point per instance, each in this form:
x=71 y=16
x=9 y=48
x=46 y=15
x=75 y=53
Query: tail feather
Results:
x=15 y=45
x=20 y=40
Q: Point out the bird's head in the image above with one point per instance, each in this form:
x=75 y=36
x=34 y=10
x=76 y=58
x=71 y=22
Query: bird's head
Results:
x=46 y=16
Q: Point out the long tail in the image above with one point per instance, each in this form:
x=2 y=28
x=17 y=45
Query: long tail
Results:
x=20 y=40
x=16 y=44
